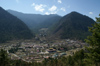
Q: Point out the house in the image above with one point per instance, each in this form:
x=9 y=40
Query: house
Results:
x=51 y=50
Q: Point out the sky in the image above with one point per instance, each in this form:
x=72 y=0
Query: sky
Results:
x=90 y=8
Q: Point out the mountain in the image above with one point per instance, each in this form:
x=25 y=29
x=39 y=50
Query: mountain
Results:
x=36 y=21
x=12 y=28
x=73 y=25
x=49 y=22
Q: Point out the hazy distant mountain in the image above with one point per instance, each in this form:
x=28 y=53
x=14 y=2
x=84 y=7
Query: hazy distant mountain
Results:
x=73 y=25
x=36 y=20
x=12 y=28
x=49 y=22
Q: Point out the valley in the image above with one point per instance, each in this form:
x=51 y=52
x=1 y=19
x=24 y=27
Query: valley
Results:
x=41 y=47
x=48 y=39
x=52 y=36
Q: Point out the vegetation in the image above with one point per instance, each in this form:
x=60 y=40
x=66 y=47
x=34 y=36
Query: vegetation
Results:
x=12 y=28
x=94 y=42
x=90 y=56
x=73 y=26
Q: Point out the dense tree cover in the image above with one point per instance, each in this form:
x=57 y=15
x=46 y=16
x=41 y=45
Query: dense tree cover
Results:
x=3 y=58
x=94 y=42
x=74 y=26
x=12 y=28
x=13 y=50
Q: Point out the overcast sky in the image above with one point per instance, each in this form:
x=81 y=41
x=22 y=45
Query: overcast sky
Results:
x=90 y=8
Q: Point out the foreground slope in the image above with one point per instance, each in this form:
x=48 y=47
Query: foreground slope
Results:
x=12 y=28
x=73 y=25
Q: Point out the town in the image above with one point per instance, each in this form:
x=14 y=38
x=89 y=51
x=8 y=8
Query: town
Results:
x=37 y=51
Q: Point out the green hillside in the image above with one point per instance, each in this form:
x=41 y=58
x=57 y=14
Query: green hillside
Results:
x=12 y=28
x=73 y=25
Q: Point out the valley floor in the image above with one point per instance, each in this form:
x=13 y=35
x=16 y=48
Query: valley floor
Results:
x=35 y=50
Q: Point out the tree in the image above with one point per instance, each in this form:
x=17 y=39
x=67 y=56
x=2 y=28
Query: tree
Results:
x=94 y=42
x=70 y=61
x=4 y=61
x=79 y=57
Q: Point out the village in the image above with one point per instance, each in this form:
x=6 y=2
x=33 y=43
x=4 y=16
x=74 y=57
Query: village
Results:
x=40 y=48
x=33 y=51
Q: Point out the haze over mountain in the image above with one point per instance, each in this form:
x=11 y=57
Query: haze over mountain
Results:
x=12 y=28
x=36 y=21
x=73 y=25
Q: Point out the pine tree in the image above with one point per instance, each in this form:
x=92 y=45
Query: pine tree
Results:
x=4 y=61
x=94 y=42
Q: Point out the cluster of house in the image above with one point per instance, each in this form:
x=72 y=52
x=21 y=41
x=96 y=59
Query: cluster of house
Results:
x=30 y=51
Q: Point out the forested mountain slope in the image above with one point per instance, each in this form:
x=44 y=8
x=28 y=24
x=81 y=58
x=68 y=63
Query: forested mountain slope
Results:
x=12 y=28
x=73 y=25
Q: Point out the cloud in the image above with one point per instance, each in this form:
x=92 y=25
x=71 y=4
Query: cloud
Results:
x=53 y=12
x=33 y=4
x=40 y=7
x=63 y=9
x=91 y=13
x=53 y=8
x=47 y=13
x=59 y=1
x=17 y=1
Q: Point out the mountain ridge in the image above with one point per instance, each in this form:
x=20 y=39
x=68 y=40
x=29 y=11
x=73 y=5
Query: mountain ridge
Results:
x=74 y=25
x=36 y=20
